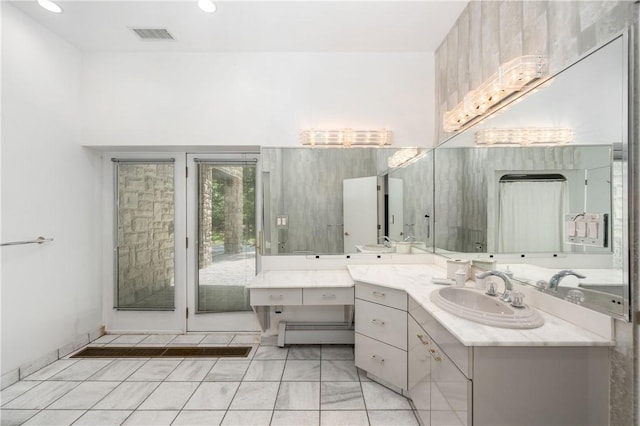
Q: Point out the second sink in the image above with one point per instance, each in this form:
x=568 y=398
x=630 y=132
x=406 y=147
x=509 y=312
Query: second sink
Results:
x=476 y=306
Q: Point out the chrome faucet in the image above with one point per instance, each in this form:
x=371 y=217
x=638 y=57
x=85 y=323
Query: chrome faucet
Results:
x=508 y=287
x=386 y=241
x=555 y=279
x=409 y=238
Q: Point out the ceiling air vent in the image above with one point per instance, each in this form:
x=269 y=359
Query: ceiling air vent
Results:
x=153 y=33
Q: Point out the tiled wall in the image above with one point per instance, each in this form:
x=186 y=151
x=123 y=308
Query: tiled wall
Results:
x=488 y=33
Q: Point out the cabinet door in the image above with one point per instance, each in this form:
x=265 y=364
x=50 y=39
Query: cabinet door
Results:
x=419 y=378
x=450 y=392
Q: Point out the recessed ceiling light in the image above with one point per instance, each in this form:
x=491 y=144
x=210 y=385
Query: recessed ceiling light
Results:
x=50 y=6
x=207 y=5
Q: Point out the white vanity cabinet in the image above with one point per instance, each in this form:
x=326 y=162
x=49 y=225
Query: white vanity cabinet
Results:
x=453 y=384
x=381 y=333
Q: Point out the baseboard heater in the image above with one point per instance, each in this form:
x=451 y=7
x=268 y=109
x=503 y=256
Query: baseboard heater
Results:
x=341 y=333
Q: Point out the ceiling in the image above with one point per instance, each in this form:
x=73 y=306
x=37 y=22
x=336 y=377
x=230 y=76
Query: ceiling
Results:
x=253 y=26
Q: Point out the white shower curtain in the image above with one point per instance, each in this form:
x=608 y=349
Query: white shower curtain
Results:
x=531 y=216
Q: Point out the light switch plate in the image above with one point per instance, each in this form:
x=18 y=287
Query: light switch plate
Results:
x=587 y=229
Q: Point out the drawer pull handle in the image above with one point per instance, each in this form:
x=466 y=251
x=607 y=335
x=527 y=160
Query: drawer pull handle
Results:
x=433 y=351
x=437 y=358
x=422 y=339
x=328 y=296
x=377 y=358
x=276 y=296
x=377 y=322
x=378 y=294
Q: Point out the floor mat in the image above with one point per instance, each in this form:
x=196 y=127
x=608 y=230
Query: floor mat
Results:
x=164 y=352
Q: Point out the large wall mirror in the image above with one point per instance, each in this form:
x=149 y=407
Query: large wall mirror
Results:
x=538 y=209
x=344 y=201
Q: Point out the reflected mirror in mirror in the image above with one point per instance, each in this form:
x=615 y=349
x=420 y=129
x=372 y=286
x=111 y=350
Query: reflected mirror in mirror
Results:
x=336 y=200
x=539 y=209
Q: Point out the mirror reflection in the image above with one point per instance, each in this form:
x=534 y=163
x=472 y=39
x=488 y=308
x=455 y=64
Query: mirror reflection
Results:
x=535 y=211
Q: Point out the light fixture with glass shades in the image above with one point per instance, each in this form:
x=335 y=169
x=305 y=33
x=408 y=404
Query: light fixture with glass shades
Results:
x=50 y=6
x=207 y=6
x=403 y=157
x=526 y=136
x=345 y=137
x=512 y=77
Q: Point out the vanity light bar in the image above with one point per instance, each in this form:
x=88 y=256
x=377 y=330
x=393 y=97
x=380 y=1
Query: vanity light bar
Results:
x=512 y=77
x=402 y=157
x=345 y=137
x=525 y=136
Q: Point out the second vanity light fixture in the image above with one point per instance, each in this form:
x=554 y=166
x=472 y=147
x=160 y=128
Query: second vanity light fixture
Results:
x=525 y=136
x=345 y=137
x=512 y=77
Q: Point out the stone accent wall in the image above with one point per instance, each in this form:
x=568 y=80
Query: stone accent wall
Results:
x=205 y=214
x=145 y=232
x=490 y=32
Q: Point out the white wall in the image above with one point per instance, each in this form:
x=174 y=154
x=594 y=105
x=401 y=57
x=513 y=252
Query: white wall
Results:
x=51 y=293
x=254 y=98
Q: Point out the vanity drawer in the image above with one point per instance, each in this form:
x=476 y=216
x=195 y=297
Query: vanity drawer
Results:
x=328 y=296
x=383 y=295
x=381 y=360
x=460 y=354
x=388 y=325
x=276 y=296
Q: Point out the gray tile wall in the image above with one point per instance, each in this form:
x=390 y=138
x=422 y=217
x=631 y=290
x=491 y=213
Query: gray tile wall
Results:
x=490 y=32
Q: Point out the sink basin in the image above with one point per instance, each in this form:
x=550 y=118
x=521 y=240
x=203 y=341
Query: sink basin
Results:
x=375 y=248
x=476 y=306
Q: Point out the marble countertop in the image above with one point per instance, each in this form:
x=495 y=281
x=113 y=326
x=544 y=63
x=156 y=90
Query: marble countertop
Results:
x=416 y=281
x=304 y=279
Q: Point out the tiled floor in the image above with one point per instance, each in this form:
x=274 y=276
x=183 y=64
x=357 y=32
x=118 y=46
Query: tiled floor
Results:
x=297 y=385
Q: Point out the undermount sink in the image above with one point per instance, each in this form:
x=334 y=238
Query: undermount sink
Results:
x=375 y=248
x=476 y=306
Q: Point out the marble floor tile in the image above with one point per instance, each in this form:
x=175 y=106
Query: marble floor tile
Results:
x=15 y=390
x=212 y=396
x=304 y=352
x=187 y=339
x=247 y=418
x=82 y=370
x=271 y=352
x=295 y=418
x=155 y=370
x=157 y=339
x=103 y=418
x=337 y=352
x=341 y=396
x=265 y=371
x=298 y=396
x=378 y=397
x=301 y=371
x=227 y=371
x=189 y=418
x=127 y=396
x=338 y=371
x=118 y=370
x=107 y=338
x=169 y=396
x=84 y=396
x=41 y=396
x=392 y=417
x=15 y=417
x=151 y=418
x=51 y=369
x=363 y=375
x=217 y=339
x=344 y=418
x=55 y=417
x=128 y=339
x=255 y=396
x=191 y=371
x=243 y=339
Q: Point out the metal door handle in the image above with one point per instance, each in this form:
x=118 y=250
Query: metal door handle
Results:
x=377 y=322
x=377 y=358
x=422 y=339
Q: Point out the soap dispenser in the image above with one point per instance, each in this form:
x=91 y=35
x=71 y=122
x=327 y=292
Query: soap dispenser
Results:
x=461 y=277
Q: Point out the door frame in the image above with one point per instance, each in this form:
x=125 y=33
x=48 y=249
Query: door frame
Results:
x=143 y=322
x=231 y=321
